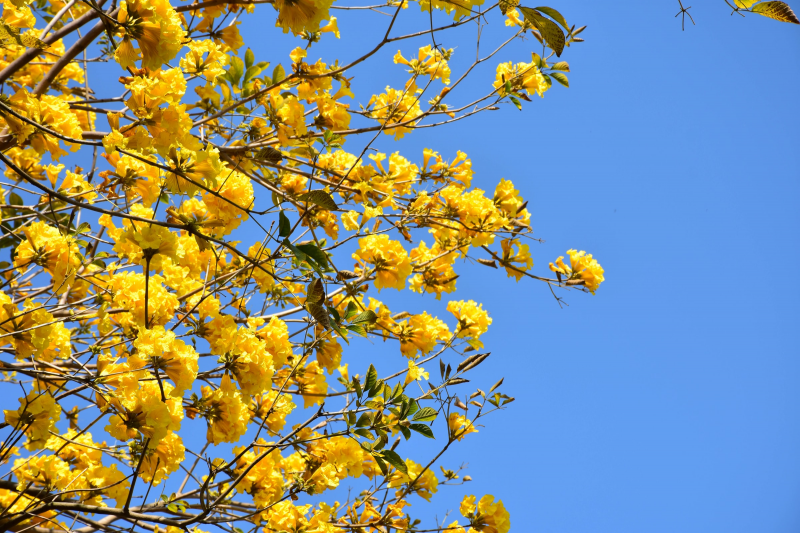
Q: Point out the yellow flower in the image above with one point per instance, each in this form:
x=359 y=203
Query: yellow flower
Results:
x=128 y=290
x=210 y=67
x=18 y=15
x=473 y=321
x=583 y=270
x=350 y=220
x=486 y=516
x=392 y=264
x=36 y=416
x=262 y=274
x=459 y=8
x=329 y=354
x=161 y=460
x=263 y=480
x=140 y=240
x=141 y=411
x=57 y=254
x=47 y=472
x=79 y=450
x=430 y=62
x=227 y=207
x=415 y=373
x=35 y=332
x=507 y=198
x=514 y=252
x=48 y=110
x=521 y=76
x=273 y=408
x=460 y=426
x=420 y=333
x=77 y=187
x=155 y=26
x=113 y=482
x=247 y=356
x=169 y=355
x=231 y=37
x=437 y=274
x=331 y=27
x=301 y=15
x=396 y=107
x=227 y=414
x=426 y=484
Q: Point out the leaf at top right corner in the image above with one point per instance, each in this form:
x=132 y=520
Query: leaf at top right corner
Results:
x=776 y=10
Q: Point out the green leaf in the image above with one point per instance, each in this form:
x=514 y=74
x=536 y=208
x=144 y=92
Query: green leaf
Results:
x=269 y=154
x=423 y=430
x=351 y=310
x=560 y=78
x=426 y=414
x=381 y=465
x=358 y=330
x=376 y=389
x=338 y=329
x=357 y=387
x=516 y=102
x=315 y=253
x=249 y=58
x=284 y=226
x=319 y=313
x=254 y=71
x=776 y=10
x=561 y=65
x=14 y=199
x=364 y=433
x=744 y=4
x=555 y=15
x=405 y=431
x=315 y=292
x=372 y=377
x=236 y=70
x=321 y=198
x=394 y=459
x=367 y=316
x=549 y=29
x=365 y=420
x=278 y=74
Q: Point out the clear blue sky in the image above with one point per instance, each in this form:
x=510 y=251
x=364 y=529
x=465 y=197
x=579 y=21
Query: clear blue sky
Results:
x=669 y=401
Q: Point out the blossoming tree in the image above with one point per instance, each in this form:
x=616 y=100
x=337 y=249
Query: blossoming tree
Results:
x=198 y=246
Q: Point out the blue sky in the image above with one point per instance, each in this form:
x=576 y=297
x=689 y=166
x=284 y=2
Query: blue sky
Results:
x=668 y=401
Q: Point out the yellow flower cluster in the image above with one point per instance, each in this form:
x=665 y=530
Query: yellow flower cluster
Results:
x=47 y=247
x=396 y=109
x=583 y=269
x=430 y=62
x=389 y=259
x=520 y=76
x=36 y=416
x=156 y=28
x=169 y=355
x=473 y=321
x=142 y=411
x=486 y=516
x=228 y=414
x=136 y=291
